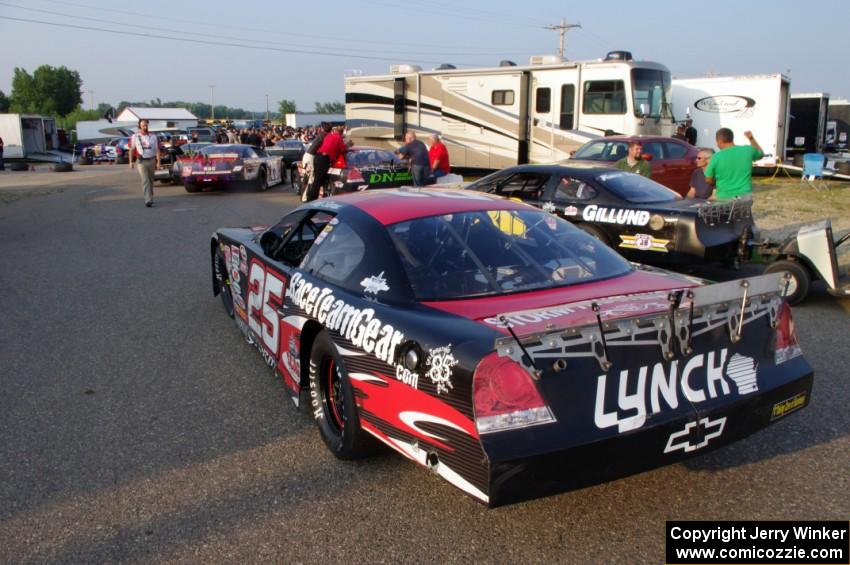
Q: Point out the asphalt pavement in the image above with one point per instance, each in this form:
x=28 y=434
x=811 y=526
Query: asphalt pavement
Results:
x=137 y=426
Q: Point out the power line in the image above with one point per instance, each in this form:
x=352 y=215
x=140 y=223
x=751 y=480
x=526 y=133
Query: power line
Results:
x=217 y=26
x=241 y=39
x=223 y=43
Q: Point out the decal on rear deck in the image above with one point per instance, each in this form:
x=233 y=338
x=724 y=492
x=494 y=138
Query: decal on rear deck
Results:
x=695 y=380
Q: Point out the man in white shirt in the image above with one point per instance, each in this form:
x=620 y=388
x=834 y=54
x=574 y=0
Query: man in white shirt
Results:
x=144 y=149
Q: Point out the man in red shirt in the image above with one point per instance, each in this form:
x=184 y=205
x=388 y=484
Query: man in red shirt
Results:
x=439 y=157
x=329 y=151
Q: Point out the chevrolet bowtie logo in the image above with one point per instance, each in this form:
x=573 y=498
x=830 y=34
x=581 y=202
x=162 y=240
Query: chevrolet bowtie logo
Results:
x=696 y=435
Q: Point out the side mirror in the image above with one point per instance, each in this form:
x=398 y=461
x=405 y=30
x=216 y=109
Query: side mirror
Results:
x=646 y=156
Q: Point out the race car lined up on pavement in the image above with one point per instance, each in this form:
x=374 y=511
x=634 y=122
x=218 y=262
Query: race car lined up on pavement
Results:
x=638 y=217
x=172 y=158
x=361 y=168
x=116 y=150
x=291 y=150
x=672 y=160
x=499 y=346
x=218 y=165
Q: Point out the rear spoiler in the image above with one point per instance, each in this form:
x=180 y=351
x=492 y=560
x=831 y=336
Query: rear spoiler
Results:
x=692 y=312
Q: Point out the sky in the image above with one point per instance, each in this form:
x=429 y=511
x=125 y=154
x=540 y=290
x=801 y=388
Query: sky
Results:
x=302 y=50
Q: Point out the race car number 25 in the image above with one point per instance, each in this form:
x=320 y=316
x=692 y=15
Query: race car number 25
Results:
x=265 y=298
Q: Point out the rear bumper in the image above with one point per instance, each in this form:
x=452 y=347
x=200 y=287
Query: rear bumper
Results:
x=631 y=453
x=210 y=179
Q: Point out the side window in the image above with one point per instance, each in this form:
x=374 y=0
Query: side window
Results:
x=604 y=97
x=543 y=100
x=568 y=104
x=525 y=186
x=655 y=149
x=675 y=151
x=574 y=190
x=503 y=98
x=295 y=241
x=489 y=184
x=337 y=253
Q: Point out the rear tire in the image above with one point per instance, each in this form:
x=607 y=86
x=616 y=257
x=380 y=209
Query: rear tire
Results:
x=595 y=232
x=798 y=284
x=223 y=280
x=192 y=187
x=262 y=180
x=63 y=167
x=333 y=405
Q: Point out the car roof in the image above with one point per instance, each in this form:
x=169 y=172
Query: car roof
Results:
x=578 y=168
x=393 y=205
x=643 y=138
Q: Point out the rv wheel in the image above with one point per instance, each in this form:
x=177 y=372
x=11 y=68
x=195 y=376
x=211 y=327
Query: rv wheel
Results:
x=63 y=167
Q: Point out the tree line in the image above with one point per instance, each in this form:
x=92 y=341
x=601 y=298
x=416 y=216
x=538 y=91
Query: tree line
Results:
x=57 y=91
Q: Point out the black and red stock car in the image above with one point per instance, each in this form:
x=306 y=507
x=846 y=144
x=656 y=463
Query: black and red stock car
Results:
x=641 y=219
x=499 y=346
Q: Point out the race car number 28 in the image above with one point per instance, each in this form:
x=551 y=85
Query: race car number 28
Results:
x=265 y=298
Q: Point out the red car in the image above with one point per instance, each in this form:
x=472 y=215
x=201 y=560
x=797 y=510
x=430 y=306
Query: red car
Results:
x=672 y=160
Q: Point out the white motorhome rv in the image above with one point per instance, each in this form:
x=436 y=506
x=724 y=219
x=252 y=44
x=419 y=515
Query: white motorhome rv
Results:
x=758 y=103
x=29 y=136
x=497 y=117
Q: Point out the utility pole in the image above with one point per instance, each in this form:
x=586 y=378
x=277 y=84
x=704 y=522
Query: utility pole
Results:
x=267 y=107
x=91 y=99
x=212 y=102
x=562 y=30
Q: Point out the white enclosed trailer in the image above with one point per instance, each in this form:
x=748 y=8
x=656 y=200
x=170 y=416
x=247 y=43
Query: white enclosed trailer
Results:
x=758 y=103
x=28 y=136
x=496 y=117
x=310 y=119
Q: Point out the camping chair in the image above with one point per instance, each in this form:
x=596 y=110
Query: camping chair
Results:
x=813 y=169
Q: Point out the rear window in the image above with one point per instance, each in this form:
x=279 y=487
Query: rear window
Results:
x=485 y=253
x=238 y=150
x=635 y=188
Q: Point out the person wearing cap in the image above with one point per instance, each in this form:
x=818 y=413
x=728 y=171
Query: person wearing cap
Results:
x=632 y=162
x=144 y=149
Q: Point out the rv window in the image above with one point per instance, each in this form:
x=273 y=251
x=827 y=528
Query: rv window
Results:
x=503 y=98
x=652 y=90
x=543 y=101
x=568 y=104
x=604 y=97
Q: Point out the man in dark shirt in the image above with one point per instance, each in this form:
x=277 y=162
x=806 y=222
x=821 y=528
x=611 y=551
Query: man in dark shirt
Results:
x=698 y=187
x=417 y=155
x=690 y=132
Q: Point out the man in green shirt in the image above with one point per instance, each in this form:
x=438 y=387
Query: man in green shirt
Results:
x=731 y=168
x=632 y=162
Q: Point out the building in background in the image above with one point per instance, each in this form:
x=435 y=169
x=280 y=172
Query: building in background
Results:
x=160 y=118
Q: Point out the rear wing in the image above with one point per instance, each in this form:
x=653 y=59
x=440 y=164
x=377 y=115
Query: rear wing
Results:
x=691 y=313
